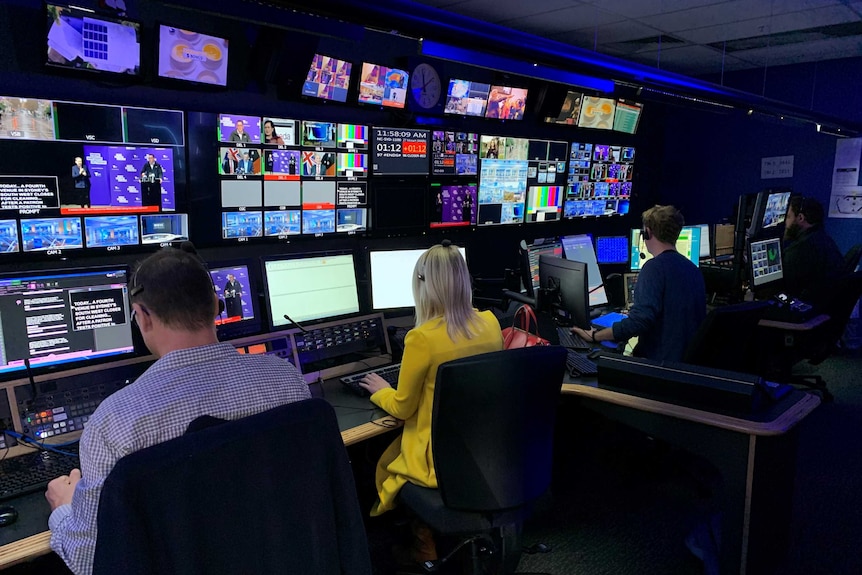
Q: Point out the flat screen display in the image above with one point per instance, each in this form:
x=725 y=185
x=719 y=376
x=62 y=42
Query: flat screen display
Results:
x=162 y=228
x=627 y=116
x=111 y=231
x=42 y=234
x=570 y=111
x=467 y=98
x=454 y=205
x=688 y=244
x=400 y=151
x=79 y=39
x=766 y=265
x=310 y=288
x=454 y=153
x=383 y=86
x=612 y=249
x=579 y=248
x=64 y=317
x=597 y=113
x=392 y=277
x=235 y=288
x=776 y=209
x=238 y=128
x=506 y=103
x=328 y=78
x=191 y=56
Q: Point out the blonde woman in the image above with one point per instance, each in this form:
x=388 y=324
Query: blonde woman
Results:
x=447 y=328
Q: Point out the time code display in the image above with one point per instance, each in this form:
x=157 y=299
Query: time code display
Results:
x=400 y=152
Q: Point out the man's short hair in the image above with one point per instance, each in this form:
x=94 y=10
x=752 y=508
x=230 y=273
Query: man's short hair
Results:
x=176 y=287
x=664 y=222
x=809 y=206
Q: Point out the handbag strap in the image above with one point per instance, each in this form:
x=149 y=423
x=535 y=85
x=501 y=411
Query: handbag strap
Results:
x=527 y=318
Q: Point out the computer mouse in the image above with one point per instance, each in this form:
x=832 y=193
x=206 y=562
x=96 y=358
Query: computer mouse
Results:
x=8 y=515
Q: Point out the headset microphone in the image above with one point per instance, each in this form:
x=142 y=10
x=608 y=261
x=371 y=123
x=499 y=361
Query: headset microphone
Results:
x=644 y=235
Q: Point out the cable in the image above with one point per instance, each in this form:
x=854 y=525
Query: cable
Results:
x=30 y=442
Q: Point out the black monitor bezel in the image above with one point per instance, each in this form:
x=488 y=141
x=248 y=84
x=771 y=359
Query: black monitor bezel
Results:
x=242 y=328
x=577 y=312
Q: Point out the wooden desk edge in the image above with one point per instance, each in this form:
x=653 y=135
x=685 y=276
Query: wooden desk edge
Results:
x=782 y=424
x=25 y=549
x=39 y=544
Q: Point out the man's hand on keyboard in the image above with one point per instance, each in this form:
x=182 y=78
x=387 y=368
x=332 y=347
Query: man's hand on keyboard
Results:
x=60 y=490
x=373 y=383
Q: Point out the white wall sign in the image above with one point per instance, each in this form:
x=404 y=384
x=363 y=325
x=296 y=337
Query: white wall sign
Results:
x=776 y=167
x=846 y=198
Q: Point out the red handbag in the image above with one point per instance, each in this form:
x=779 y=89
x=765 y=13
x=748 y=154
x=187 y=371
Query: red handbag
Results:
x=521 y=333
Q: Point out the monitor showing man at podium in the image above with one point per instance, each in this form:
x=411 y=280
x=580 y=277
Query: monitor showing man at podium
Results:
x=151 y=182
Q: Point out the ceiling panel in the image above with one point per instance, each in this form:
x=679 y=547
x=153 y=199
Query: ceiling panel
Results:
x=804 y=52
x=726 y=12
x=685 y=59
x=563 y=20
x=769 y=25
x=499 y=11
x=623 y=31
x=641 y=8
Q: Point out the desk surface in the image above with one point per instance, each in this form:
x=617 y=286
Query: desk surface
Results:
x=358 y=420
x=787 y=326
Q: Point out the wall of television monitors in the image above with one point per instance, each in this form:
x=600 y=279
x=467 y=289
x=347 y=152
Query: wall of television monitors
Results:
x=79 y=179
x=283 y=177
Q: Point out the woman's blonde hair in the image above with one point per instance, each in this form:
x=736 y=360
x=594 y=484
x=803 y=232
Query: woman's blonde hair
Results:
x=442 y=289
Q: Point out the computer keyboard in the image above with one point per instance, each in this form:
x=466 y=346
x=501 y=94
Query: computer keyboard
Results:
x=389 y=373
x=571 y=340
x=31 y=472
x=578 y=364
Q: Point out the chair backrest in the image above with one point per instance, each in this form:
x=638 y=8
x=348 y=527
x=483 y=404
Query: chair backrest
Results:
x=851 y=259
x=492 y=427
x=845 y=292
x=726 y=338
x=270 y=493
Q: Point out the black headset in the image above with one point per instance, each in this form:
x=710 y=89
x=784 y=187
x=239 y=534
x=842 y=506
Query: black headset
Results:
x=644 y=236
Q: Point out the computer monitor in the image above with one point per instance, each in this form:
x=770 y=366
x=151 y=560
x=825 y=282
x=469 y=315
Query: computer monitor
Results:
x=530 y=261
x=64 y=318
x=630 y=280
x=688 y=244
x=579 y=248
x=705 y=244
x=724 y=239
x=770 y=208
x=236 y=288
x=392 y=277
x=766 y=265
x=612 y=249
x=567 y=293
x=310 y=287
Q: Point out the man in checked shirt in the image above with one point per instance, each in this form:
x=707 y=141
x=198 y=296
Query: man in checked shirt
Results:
x=174 y=305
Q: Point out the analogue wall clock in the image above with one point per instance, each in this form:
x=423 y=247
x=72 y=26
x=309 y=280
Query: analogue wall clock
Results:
x=425 y=86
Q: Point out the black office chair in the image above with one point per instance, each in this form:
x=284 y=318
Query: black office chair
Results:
x=726 y=338
x=819 y=343
x=491 y=435
x=270 y=493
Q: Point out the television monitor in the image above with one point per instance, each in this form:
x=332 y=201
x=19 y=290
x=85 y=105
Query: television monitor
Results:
x=612 y=249
x=236 y=288
x=627 y=116
x=724 y=237
x=544 y=203
x=282 y=223
x=579 y=248
x=688 y=244
x=776 y=208
x=766 y=264
x=9 y=236
x=398 y=207
x=310 y=287
x=569 y=111
x=466 y=98
x=392 y=277
x=111 y=231
x=191 y=56
x=67 y=318
x=163 y=228
x=530 y=262
x=328 y=78
x=597 y=113
x=454 y=153
x=397 y=151
x=80 y=39
x=566 y=283
x=280 y=131
x=352 y=137
x=506 y=103
x=319 y=134
x=239 y=129
x=116 y=178
x=351 y=220
x=43 y=234
x=453 y=205
x=242 y=225
x=383 y=86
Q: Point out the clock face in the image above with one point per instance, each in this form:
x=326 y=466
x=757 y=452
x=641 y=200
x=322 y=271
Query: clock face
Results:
x=425 y=86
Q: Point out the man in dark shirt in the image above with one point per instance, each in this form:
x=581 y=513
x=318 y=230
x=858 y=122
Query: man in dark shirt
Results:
x=811 y=258
x=669 y=299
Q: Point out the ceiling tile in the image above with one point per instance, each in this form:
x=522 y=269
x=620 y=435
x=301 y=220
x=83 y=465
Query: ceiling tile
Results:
x=684 y=59
x=769 y=25
x=622 y=31
x=549 y=24
x=804 y=52
x=640 y=8
x=726 y=12
x=500 y=11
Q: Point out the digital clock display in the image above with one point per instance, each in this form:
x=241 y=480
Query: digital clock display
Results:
x=400 y=151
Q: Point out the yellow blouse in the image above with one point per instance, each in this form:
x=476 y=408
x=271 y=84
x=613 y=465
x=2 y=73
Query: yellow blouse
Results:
x=409 y=457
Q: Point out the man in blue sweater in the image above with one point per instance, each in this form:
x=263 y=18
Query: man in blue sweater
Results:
x=669 y=299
